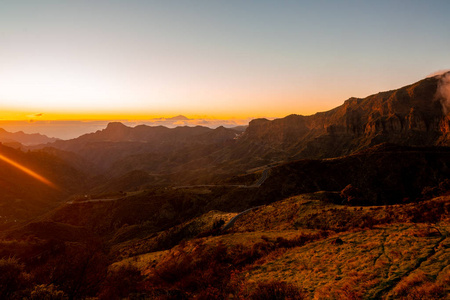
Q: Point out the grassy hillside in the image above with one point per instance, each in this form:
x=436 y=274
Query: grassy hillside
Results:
x=318 y=249
x=302 y=247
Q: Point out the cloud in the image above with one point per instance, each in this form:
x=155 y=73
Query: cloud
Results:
x=438 y=73
x=443 y=91
x=34 y=116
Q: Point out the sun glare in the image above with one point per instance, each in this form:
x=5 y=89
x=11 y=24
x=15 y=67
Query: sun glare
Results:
x=28 y=171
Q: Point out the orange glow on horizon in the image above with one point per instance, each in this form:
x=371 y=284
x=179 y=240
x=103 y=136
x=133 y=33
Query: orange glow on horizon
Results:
x=219 y=114
x=28 y=171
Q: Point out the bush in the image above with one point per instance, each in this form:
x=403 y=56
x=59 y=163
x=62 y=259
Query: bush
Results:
x=12 y=278
x=429 y=192
x=352 y=196
x=121 y=283
x=78 y=271
x=218 y=224
x=46 y=292
x=277 y=290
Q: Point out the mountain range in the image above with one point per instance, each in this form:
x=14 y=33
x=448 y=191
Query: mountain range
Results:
x=24 y=138
x=351 y=203
x=414 y=115
x=121 y=158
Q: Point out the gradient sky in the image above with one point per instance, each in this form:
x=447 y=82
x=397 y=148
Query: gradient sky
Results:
x=217 y=59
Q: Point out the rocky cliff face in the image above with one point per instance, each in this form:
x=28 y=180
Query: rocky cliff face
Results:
x=414 y=115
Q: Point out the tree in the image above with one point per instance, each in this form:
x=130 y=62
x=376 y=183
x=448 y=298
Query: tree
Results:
x=13 y=279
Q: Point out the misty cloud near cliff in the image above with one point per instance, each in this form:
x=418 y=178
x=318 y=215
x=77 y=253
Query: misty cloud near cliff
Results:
x=443 y=91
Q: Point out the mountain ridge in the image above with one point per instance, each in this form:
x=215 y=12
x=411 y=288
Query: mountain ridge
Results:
x=412 y=115
x=24 y=138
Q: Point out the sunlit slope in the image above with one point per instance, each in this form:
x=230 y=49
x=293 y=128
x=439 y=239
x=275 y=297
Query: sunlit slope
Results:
x=325 y=250
x=388 y=261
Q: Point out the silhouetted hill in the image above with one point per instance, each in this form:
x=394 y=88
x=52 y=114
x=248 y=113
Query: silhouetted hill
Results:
x=24 y=138
x=155 y=149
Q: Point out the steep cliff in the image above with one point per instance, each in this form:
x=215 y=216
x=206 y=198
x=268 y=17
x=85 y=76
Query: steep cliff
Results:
x=415 y=115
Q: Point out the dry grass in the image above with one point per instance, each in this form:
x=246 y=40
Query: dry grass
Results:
x=366 y=263
x=390 y=252
x=308 y=212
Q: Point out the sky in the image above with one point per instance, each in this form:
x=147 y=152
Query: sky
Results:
x=137 y=60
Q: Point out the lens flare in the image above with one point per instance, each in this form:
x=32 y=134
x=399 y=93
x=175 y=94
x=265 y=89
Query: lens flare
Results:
x=28 y=171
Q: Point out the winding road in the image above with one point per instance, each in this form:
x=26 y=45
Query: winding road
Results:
x=264 y=176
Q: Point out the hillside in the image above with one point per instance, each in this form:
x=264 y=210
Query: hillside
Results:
x=384 y=174
x=304 y=246
x=23 y=196
x=168 y=242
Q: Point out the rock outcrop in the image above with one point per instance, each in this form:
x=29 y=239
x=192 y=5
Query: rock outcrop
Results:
x=414 y=115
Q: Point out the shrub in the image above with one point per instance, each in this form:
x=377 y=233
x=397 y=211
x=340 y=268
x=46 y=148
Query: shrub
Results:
x=121 y=283
x=12 y=278
x=46 y=292
x=78 y=271
x=351 y=195
x=444 y=185
x=429 y=192
x=218 y=224
x=276 y=290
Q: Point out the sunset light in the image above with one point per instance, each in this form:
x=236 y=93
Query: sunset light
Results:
x=28 y=171
x=130 y=60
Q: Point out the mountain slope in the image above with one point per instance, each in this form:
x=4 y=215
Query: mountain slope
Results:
x=23 y=196
x=384 y=174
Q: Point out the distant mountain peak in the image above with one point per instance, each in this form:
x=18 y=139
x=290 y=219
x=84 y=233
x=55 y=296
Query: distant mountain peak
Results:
x=178 y=118
x=115 y=125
